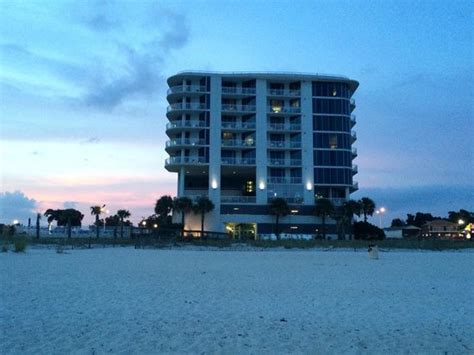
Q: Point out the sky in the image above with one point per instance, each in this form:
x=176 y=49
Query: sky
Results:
x=83 y=93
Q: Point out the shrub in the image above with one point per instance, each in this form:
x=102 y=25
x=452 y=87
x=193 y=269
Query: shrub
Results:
x=4 y=247
x=367 y=231
x=20 y=245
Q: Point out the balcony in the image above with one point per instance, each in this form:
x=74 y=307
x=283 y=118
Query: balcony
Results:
x=355 y=169
x=353 y=120
x=284 y=162
x=354 y=136
x=284 y=144
x=191 y=106
x=283 y=110
x=283 y=180
x=238 y=199
x=355 y=186
x=227 y=90
x=238 y=161
x=186 y=160
x=185 y=124
x=288 y=199
x=186 y=89
x=238 y=108
x=354 y=152
x=238 y=125
x=284 y=127
x=337 y=201
x=283 y=92
x=185 y=142
x=238 y=143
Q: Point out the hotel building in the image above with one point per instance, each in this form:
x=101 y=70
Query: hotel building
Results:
x=244 y=138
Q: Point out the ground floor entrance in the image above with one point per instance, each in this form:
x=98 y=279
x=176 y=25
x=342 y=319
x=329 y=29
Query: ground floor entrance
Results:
x=242 y=231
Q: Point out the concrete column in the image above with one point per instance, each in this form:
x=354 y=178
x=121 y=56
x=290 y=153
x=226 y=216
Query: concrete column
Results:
x=307 y=141
x=213 y=219
x=181 y=176
x=261 y=138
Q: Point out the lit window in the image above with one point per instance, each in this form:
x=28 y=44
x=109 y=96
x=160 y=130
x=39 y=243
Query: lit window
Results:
x=333 y=142
x=249 y=186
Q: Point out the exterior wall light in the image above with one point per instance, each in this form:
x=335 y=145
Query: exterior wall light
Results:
x=214 y=184
x=309 y=186
x=261 y=186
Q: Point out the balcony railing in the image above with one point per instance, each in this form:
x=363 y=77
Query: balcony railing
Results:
x=288 y=199
x=355 y=169
x=186 y=88
x=283 y=92
x=238 y=143
x=284 y=127
x=354 y=136
x=183 y=124
x=355 y=186
x=238 y=161
x=284 y=180
x=353 y=120
x=238 y=125
x=238 y=108
x=280 y=162
x=283 y=109
x=353 y=102
x=185 y=141
x=284 y=144
x=238 y=199
x=186 y=106
x=238 y=91
x=354 y=151
x=186 y=160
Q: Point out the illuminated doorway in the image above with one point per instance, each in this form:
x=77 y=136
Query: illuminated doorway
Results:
x=242 y=231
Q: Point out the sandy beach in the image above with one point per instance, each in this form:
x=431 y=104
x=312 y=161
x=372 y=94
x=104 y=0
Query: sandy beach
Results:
x=123 y=300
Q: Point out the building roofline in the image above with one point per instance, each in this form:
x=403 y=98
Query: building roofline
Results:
x=269 y=75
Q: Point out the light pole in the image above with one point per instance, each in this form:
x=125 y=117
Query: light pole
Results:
x=380 y=212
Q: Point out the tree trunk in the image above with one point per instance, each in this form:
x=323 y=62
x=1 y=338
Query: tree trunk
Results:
x=323 y=217
x=97 y=226
x=37 y=227
x=202 y=224
x=182 y=222
x=277 y=226
x=69 y=228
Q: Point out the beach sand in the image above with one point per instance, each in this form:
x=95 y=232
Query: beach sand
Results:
x=123 y=300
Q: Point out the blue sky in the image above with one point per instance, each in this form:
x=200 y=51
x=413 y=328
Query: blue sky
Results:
x=83 y=87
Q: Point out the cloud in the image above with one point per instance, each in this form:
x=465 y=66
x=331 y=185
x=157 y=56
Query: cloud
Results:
x=91 y=140
x=142 y=75
x=16 y=205
x=70 y=204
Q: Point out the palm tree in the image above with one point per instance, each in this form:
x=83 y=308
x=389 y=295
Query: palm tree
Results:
x=163 y=207
x=122 y=214
x=203 y=205
x=367 y=207
x=182 y=205
x=68 y=216
x=323 y=208
x=53 y=215
x=38 y=217
x=349 y=209
x=96 y=211
x=279 y=208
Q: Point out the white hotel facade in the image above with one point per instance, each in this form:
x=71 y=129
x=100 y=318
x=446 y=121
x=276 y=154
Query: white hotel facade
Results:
x=244 y=138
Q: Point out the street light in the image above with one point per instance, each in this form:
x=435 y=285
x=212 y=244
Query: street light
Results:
x=380 y=212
